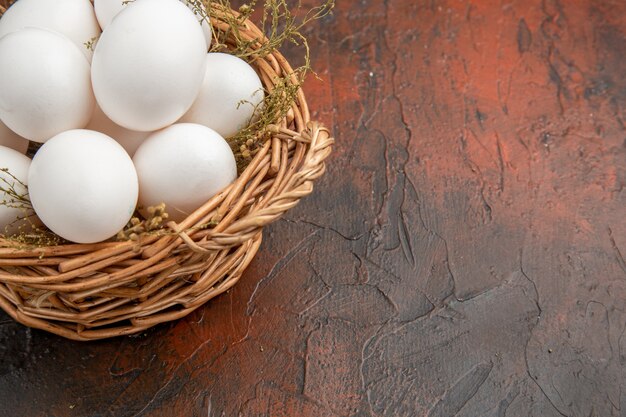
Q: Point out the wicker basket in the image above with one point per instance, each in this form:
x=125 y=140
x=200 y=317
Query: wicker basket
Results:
x=89 y=292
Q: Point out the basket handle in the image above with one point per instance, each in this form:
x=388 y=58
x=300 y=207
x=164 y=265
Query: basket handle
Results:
x=299 y=185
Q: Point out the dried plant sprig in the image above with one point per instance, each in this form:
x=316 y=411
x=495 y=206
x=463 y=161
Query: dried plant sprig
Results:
x=23 y=231
x=91 y=43
x=280 y=24
x=137 y=226
x=14 y=192
x=275 y=106
x=30 y=236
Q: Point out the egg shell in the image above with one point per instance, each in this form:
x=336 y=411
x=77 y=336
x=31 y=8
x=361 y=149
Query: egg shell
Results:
x=230 y=93
x=17 y=165
x=129 y=139
x=12 y=140
x=204 y=23
x=106 y=10
x=83 y=186
x=45 y=84
x=149 y=64
x=73 y=18
x=183 y=166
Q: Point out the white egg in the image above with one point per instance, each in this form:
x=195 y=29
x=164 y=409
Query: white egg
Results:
x=129 y=139
x=12 y=140
x=149 y=64
x=45 y=84
x=204 y=23
x=83 y=186
x=230 y=93
x=106 y=10
x=11 y=210
x=72 y=18
x=183 y=166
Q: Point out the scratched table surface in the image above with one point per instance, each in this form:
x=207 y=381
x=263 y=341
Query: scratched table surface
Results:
x=463 y=256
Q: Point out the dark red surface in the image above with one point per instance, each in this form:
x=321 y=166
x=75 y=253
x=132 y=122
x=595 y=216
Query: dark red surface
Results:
x=464 y=254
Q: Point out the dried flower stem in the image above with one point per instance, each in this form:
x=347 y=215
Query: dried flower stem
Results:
x=279 y=26
x=10 y=188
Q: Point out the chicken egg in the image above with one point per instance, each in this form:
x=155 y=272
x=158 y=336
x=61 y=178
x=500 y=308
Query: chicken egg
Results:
x=183 y=166
x=45 y=85
x=83 y=186
x=149 y=64
x=129 y=139
x=230 y=94
x=106 y=10
x=73 y=18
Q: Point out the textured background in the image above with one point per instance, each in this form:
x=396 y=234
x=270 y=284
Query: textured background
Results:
x=464 y=255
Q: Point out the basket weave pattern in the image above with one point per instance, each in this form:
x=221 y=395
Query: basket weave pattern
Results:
x=89 y=292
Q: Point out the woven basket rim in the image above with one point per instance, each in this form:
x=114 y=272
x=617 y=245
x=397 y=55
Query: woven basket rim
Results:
x=94 y=291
